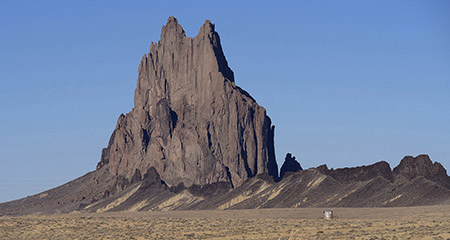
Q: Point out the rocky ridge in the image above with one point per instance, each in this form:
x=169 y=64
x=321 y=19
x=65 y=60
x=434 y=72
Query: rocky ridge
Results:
x=374 y=185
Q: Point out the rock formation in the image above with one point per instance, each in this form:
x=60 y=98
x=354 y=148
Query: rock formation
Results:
x=195 y=140
x=365 y=186
x=289 y=165
x=413 y=167
x=190 y=121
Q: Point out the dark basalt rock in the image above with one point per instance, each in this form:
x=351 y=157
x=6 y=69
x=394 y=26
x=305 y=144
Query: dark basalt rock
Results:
x=289 y=165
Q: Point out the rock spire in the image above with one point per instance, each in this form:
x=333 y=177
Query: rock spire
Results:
x=190 y=121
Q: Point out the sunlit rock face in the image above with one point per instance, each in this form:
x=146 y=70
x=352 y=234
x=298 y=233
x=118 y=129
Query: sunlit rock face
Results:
x=190 y=121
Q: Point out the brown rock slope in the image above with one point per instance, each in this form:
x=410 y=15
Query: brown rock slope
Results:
x=367 y=186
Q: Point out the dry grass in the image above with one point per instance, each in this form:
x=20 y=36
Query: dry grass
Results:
x=355 y=223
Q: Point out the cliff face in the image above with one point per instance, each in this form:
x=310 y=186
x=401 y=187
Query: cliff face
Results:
x=190 y=120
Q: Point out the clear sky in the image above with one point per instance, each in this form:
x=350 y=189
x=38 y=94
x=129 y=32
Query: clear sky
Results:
x=346 y=83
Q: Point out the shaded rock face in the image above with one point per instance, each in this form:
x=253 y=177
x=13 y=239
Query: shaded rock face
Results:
x=413 y=167
x=289 y=165
x=190 y=121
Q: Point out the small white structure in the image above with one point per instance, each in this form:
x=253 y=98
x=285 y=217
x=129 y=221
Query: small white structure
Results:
x=327 y=214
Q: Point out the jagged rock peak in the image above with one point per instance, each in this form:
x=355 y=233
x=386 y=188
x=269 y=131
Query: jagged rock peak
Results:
x=289 y=165
x=172 y=30
x=190 y=121
x=411 y=167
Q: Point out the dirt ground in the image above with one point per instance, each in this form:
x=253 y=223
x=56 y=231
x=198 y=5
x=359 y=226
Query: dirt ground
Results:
x=307 y=223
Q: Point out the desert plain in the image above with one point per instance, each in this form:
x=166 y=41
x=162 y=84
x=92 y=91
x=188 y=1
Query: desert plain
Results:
x=429 y=222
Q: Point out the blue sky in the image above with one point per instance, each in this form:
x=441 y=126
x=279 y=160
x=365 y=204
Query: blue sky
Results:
x=346 y=83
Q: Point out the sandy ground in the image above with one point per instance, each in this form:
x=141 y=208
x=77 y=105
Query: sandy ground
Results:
x=350 y=223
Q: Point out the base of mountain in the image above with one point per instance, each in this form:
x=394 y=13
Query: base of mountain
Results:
x=414 y=182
